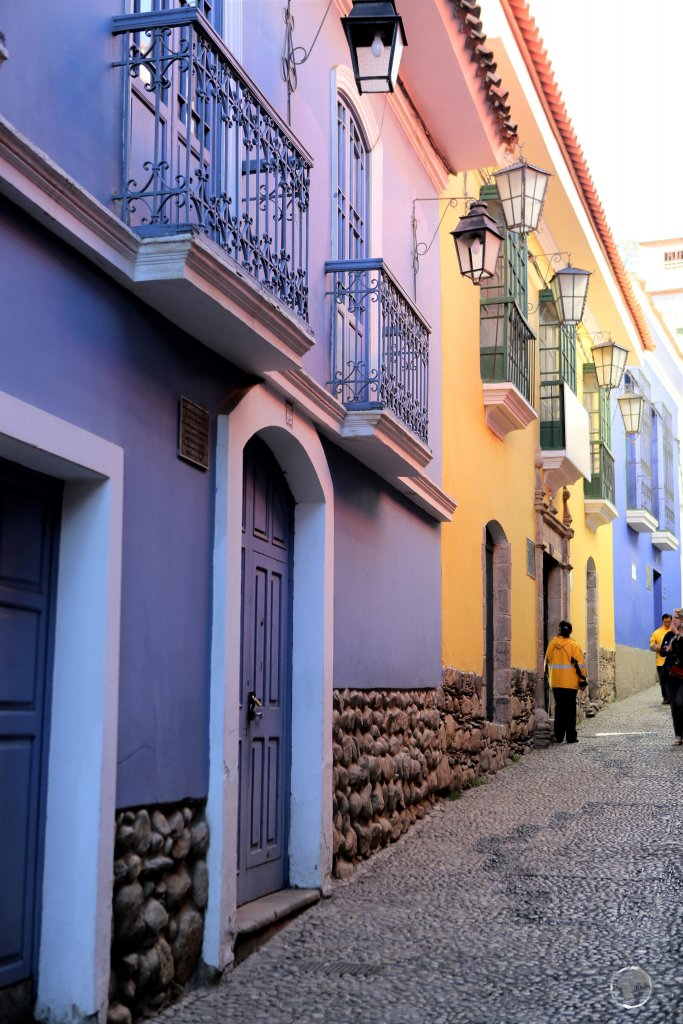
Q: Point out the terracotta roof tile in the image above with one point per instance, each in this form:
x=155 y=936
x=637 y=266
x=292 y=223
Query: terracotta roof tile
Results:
x=468 y=14
x=539 y=66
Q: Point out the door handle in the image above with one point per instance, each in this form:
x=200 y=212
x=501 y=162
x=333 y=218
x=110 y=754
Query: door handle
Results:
x=254 y=707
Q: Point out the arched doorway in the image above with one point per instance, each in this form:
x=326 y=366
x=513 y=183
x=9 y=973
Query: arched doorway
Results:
x=552 y=612
x=265 y=676
x=497 y=623
x=300 y=460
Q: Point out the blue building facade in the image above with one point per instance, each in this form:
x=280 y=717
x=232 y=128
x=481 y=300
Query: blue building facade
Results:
x=647 y=556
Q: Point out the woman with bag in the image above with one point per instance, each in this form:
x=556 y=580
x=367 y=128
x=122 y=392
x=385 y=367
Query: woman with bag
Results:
x=672 y=649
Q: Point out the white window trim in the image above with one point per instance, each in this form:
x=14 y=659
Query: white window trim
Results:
x=232 y=26
x=75 y=932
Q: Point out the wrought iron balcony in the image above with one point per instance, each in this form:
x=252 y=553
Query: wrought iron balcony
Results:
x=639 y=495
x=640 y=499
x=601 y=483
x=667 y=521
x=380 y=344
x=204 y=150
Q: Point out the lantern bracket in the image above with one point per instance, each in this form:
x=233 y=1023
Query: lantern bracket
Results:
x=554 y=262
x=290 y=61
x=422 y=248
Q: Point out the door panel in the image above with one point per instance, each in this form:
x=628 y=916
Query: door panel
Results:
x=16 y=758
x=29 y=518
x=265 y=674
x=19 y=640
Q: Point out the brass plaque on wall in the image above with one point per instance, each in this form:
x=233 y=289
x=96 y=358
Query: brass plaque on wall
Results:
x=193 y=434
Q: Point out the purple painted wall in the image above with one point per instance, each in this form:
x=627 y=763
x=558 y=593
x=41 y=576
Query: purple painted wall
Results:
x=387 y=584
x=79 y=347
x=404 y=177
x=59 y=88
x=387 y=554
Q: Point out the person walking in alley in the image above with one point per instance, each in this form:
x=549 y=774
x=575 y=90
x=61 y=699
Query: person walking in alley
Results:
x=566 y=672
x=672 y=649
x=655 y=645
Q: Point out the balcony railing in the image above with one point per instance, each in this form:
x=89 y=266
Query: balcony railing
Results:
x=204 y=150
x=639 y=495
x=380 y=343
x=666 y=509
x=601 y=483
x=506 y=349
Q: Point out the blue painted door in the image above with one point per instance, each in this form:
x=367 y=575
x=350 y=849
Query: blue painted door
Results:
x=267 y=532
x=29 y=516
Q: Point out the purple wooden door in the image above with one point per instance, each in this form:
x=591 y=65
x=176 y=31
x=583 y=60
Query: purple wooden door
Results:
x=29 y=515
x=267 y=532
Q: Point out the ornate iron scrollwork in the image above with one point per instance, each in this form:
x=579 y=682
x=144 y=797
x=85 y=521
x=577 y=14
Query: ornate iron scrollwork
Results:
x=380 y=344
x=204 y=152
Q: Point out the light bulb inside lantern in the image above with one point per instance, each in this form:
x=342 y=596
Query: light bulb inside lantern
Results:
x=476 y=247
x=377 y=46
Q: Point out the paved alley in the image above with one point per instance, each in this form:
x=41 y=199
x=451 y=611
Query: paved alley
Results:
x=516 y=904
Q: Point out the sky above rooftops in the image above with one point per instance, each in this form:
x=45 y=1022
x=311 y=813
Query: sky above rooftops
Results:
x=617 y=67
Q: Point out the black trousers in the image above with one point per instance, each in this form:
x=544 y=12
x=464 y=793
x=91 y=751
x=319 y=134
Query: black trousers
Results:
x=662 y=682
x=565 y=714
x=675 y=695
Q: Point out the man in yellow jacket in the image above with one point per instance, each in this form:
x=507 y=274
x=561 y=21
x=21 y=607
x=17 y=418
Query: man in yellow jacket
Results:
x=566 y=671
x=655 y=644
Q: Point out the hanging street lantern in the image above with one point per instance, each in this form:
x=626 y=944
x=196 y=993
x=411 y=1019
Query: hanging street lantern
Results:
x=610 y=362
x=376 y=38
x=631 y=406
x=569 y=287
x=477 y=243
x=521 y=188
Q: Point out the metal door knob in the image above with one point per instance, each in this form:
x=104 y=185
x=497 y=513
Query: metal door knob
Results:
x=254 y=707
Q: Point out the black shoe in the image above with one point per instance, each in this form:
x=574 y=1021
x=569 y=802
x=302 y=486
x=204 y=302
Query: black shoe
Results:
x=573 y=741
x=665 y=702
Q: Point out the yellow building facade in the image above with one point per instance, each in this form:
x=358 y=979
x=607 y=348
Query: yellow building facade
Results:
x=525 y=451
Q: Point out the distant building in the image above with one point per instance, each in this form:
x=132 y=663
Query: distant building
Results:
x=659 y=266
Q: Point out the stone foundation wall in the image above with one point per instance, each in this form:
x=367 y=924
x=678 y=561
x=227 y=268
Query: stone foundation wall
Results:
x=608 y=675
x=160 y=896
x=395 y=750
x=634 y=670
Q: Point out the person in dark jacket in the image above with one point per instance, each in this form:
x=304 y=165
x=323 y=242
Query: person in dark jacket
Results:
x=672 y=650
x=567 y=672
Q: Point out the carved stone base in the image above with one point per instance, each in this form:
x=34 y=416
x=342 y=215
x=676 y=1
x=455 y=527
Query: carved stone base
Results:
x=541 y=733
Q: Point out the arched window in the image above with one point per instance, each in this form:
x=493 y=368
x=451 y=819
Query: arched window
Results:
x=352 y=190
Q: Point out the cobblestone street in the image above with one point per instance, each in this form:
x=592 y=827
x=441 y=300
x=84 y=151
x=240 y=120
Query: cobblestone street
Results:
x=515 y=904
